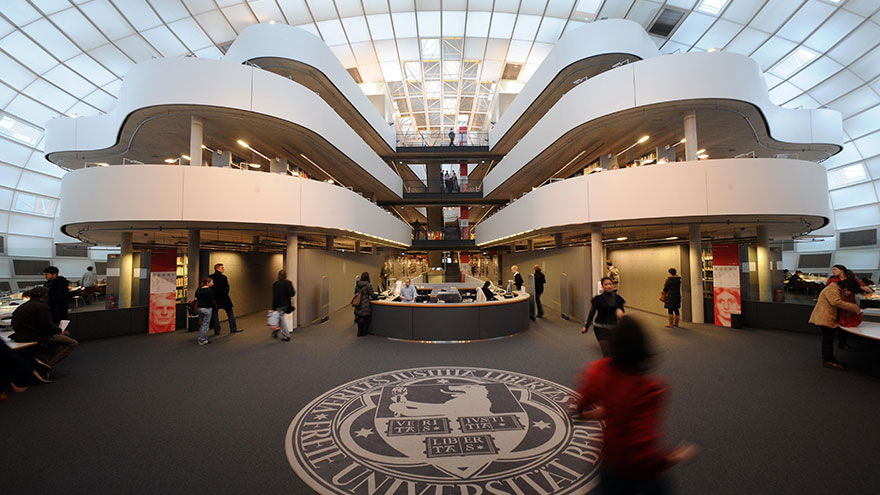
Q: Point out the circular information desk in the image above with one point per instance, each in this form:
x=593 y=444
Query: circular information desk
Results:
x=451 y=321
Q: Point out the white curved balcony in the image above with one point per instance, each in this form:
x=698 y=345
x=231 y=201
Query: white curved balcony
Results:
x=650 y=96
x=232 y=98
x=790 y=195
x=304 y=57
x=100 y=202
x=579 y=55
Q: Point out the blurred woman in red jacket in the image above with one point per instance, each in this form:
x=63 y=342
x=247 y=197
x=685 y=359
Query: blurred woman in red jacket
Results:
x=619 y=390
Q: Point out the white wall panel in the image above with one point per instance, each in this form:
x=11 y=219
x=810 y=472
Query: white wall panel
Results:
x=858 y=259
x=860 y=216
x=715 y=189
x=29 y=225
x=41 y=184
x=9 y=175
x=5 y=203
x=177 y=194
x=36 y=247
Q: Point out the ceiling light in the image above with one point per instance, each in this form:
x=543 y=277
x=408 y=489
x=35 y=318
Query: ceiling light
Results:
x=330 y=181
x=272 y=22
x=243 y=144
x=673 y=238
x=621 y=238
x=170 y=160
x=702 y=151
x=102 y=164
x=713 y=49
x=73 y=115
x=703 y=156
x=640 y=141
x=185 y=157
x=254 y=165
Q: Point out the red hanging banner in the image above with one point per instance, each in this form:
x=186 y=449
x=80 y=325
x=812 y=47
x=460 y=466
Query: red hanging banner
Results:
x=163 y=290
x=725 y=281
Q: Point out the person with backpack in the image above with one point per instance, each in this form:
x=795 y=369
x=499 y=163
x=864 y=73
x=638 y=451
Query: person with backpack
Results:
x=363 y=310
x=671 y=297
x=205 y=303
x=282 y=291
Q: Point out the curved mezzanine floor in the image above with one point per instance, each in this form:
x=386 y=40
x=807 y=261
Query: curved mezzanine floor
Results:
x=150 y=414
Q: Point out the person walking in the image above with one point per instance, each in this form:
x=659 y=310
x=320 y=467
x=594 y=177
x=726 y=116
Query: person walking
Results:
x=206 y=305
x=89 y=283
x=672 y=297
x=364 y=311
x=222 y=300
x=282 y=291
x=613 y=273
x=620 y=390
x=825 y=316
x=451 y=137
x=540 y=280
x=607 y=308
x=847 y=319
x=59 y=293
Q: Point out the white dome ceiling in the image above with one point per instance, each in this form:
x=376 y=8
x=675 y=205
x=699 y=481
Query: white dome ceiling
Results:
x=440 y=62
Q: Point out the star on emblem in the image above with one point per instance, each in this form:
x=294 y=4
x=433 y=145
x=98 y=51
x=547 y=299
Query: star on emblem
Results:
x=321 y=416
x=541 y=424
x=443 y=381
x=573 y=406
x=364 y=432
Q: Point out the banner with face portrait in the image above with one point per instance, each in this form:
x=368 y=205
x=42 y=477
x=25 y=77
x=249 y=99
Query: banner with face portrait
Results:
x=163 y=290
x=725 y=275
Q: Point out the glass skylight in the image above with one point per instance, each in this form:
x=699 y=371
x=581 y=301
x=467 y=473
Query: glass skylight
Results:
x=712 y=7
x=790 y=64
x=19 y=130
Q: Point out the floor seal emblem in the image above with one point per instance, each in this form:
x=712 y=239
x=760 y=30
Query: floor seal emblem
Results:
x=443 y=431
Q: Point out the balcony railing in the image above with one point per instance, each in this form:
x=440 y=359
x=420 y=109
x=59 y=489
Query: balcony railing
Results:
x=440 y=138
x=449 y=186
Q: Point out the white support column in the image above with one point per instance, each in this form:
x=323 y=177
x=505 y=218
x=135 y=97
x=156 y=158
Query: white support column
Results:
x=291 y=265
x=125 y=270
x=690 y=135
x=695 y=264
x=196 y=133
x=764 y=291
x=595 y=258
x=193 y=241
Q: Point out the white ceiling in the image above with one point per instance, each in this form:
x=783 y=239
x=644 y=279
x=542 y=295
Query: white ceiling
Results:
x=441 y=60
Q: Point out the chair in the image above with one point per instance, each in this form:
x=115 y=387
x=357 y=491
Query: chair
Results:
x=76 y=300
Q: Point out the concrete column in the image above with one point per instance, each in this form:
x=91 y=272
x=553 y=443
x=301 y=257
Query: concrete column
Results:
x=595 y=258
x=557 y=241
x=764 y=287
x=530 y=245
x=193 y=241
x=690 y=135
x=291 y=265
x=695 y=264
x=125 y=275
x=357 y=247
x=329 y=244
x=196 y=133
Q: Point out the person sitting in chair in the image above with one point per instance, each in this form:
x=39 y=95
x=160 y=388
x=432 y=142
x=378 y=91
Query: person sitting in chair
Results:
x=32 y=321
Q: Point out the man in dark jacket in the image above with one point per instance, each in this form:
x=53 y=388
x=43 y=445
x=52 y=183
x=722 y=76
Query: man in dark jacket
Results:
x=59 y=293
x=540 y=280
x=221 y=297
x=517 y=278
x=32 y=321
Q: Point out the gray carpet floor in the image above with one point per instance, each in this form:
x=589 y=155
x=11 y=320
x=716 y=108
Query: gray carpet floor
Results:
x=159 y=414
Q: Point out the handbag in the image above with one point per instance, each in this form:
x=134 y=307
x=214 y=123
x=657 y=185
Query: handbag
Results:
x=662 y=296
x=273 y=319
x=356 y=300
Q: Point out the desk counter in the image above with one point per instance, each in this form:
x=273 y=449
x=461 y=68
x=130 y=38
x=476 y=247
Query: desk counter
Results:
x=451 y=321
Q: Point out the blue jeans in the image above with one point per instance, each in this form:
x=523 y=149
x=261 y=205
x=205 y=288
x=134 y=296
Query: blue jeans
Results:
x=215 y=321
x=204 y=323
